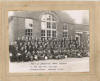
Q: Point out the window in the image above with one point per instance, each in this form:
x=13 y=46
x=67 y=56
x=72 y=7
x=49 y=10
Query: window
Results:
x=48 y=25
x=42 y=33
x=28 y=23
x=64 y=34
x=28 y=27
x=65 y=27
x=49 y=18
x=48 y=21
x=46 y=17
x=48 y=33
x=54 y=25
x=28 y=32
x=53 y=18
x=53 y=34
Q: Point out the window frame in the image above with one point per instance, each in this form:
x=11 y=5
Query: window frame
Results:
x=28 y=32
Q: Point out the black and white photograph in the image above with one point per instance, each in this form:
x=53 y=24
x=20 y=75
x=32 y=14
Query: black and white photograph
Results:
x=49 y=41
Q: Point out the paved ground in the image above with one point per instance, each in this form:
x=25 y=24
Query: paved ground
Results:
x=62 y=65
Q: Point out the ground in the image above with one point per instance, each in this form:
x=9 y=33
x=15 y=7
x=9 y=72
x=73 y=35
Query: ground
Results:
x=62 y=65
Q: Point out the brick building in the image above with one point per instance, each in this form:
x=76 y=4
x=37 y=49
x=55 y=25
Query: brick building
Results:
x=45 y=25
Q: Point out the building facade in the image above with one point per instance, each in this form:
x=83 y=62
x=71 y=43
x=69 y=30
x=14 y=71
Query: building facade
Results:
x=46 y=25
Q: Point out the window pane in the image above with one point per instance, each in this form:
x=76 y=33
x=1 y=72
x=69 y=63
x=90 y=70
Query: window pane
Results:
x=43 y=25
x=28 y=30
x=48 y=25
x=42 y=32
x=54 y=25
x=48 y=33
x=31 y=34
x=25 y=33
x=53 y=33
x=53 y=19
x=49 y=18
x=28 y=34
x=65 y=27
x=46 y=17
x=30 y=25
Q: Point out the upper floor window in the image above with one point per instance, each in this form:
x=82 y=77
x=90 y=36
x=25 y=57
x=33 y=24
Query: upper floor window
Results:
x=28 y=27
x=48 y=21
x=53 y=25
x=28 y=23
x=48 y=17
x=48 y=24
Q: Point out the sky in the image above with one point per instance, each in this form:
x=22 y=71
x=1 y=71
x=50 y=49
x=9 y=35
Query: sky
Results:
x=78 y=15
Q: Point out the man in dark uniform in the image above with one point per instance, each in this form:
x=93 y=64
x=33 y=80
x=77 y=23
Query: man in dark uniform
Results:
x=12 y=52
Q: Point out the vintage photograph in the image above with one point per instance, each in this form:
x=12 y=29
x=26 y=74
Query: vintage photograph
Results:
x=49 y=41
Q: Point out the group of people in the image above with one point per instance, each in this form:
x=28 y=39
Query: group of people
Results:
x=28 y=49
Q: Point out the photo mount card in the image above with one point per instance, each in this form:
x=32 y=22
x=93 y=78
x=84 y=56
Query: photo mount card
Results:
x=12 y=71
